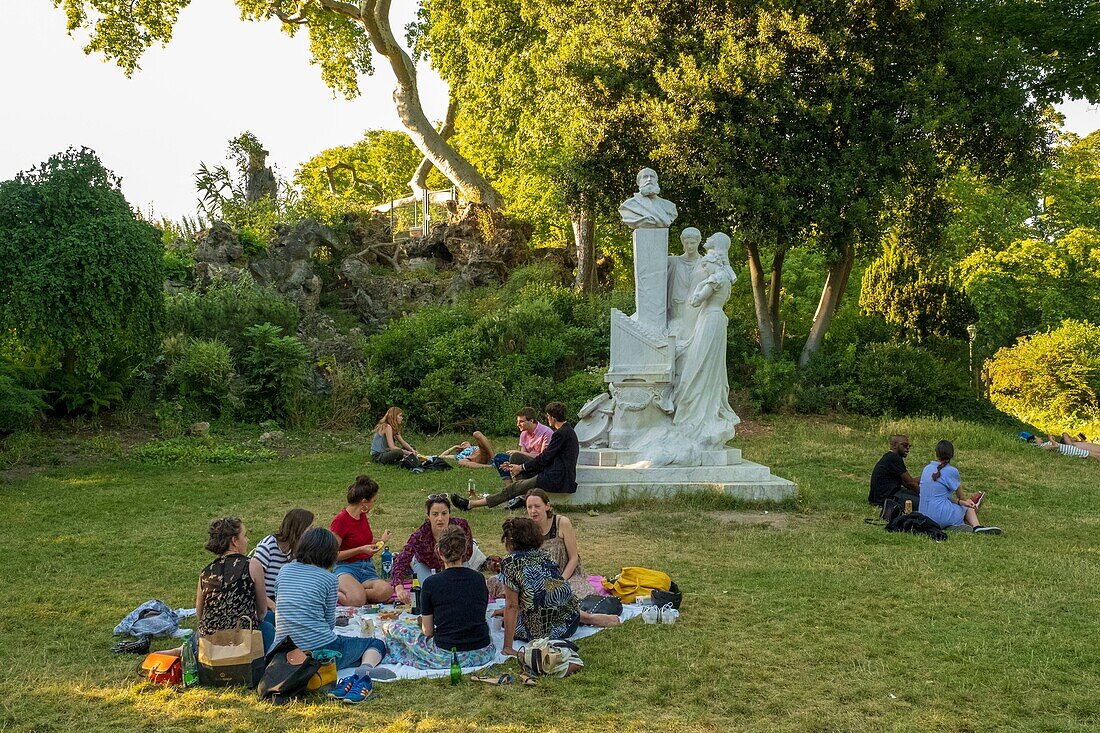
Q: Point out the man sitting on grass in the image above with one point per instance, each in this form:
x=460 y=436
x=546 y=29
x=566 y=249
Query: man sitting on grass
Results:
x=554 y=470
x=890 y=478
x=533 y=439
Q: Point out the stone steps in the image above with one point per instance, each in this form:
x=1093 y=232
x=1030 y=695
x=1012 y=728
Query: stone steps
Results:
x=745 y=480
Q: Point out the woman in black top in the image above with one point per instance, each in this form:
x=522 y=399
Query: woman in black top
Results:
x=230 y=594
x=452 y=607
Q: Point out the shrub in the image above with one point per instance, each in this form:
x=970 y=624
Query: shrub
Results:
x=900 y=379
x=82 y=281
x=273 y=368
x=226 y=310
x=20 y=406
x=473 y=364
x=200 y=372
x=773 y=383
x=1050 y=380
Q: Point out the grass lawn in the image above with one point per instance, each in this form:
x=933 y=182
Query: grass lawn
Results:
x=802 y=619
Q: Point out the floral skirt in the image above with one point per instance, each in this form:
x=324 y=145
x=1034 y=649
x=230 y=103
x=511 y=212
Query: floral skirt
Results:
x=406 y=645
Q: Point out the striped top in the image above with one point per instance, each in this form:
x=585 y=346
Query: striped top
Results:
x=1070 y=450
x=272 y=558
x=305 y=605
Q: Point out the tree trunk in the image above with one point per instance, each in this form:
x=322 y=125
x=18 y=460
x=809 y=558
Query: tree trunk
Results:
x=68 y=361
x=584 y=240
x=419 y=182
x=375 y=18
x=764 y=320
x=776 y=289
x=835 y=284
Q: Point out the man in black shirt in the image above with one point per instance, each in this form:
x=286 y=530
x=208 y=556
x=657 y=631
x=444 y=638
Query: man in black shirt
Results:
x=891 y=478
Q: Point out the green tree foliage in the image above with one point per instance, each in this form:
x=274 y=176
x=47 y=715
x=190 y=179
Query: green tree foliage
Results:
x=82 y=278
x=20 y=406
x=1050 y=380
x=1033 y=285
x=1071 y=188
x=356 y=177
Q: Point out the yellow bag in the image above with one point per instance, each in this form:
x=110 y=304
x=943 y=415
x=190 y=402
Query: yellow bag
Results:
x=325 y=675
x=633 y=582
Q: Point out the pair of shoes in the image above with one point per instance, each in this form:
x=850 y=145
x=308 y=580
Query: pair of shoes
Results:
x=461 y=502
x=988 y=530
x=139 y=645
x=343 y=687
x=515 y=503
x=359 y=691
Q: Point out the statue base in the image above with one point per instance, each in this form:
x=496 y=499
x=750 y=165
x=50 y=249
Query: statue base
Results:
x=605 y=476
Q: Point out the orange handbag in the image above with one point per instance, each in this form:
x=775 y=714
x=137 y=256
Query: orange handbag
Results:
x=164 y=668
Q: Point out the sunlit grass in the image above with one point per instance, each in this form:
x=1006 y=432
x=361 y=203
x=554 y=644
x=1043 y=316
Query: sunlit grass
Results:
x=805 y=618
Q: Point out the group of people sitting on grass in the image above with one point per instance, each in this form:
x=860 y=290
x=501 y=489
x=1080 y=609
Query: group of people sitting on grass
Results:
x=546 y=458
x=296 y=577
x=938 y=494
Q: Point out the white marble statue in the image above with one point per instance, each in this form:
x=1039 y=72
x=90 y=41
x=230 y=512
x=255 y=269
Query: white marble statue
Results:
x=682 y=281
x=646 y=209
x=701 y=393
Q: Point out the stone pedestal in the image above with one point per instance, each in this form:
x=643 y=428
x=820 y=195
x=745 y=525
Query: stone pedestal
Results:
x=651 y=278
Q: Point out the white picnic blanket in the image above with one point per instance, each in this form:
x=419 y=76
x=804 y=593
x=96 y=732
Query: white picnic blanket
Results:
x=496 y=631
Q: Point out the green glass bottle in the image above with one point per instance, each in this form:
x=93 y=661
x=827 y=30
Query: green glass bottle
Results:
x=456 y=671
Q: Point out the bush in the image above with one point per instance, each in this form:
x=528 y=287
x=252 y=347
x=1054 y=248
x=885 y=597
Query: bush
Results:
x=200 y=372
x=226 y=310
x=473 y=364
x=20 y=406
x=1050 y=380
x=274 y=369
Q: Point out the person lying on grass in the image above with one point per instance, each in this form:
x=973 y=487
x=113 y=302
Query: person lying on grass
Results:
x=478 y=454
x=452 y=614
x=306 y=591
x=1068 y=446
x=229 y=590
x=420 y=557
x=942 y=497
x=359 y=583
x=538 y=602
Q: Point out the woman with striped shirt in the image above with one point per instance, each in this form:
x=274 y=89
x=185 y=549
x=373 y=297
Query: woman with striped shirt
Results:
x=276 y=550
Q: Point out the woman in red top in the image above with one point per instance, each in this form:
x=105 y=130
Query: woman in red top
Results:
x=359 y=583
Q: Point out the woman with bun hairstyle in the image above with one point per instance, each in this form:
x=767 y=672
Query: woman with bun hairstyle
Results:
x=359 y=583
x=230 y=594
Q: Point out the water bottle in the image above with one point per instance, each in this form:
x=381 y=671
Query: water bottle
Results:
x=471 y=489
x=415 y=610
x=189 y=661
x=387 y=562
x=456 y=670
x=908 y=506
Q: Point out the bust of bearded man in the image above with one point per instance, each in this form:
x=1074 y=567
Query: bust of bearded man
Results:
x=645 y=209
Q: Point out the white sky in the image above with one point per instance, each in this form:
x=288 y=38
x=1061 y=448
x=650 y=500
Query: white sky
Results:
x=218 y=77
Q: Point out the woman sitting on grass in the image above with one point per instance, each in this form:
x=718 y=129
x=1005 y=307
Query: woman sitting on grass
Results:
x=478 y=454
x=276 y=550
x=306 y=593
x=941 y=496
x=388 y=446
x=420 y=556
x=452 y=614
x=559 y=540
x=538 y=602
x=230 y=594
x=359 y=583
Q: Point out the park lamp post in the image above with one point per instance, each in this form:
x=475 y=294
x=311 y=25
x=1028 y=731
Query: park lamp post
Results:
x=972 y=332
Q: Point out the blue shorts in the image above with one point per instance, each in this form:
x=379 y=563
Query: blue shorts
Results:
x=361 y=570
x=352 y=649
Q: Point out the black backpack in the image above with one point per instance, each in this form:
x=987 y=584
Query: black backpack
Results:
x=916 y=523
x=283 y=679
